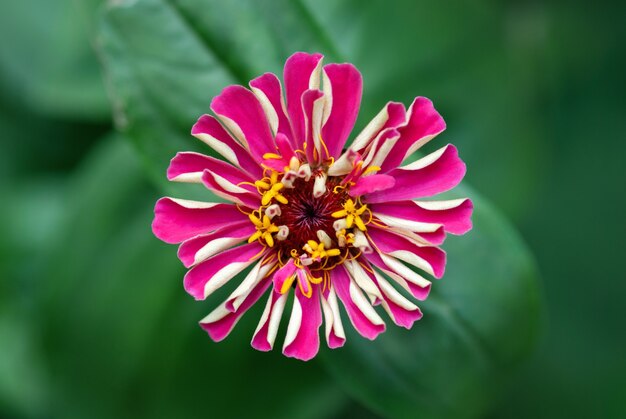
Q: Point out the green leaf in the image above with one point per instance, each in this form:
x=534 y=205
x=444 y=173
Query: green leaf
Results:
x=481 y=320
x=47 y=61
x=35 y=209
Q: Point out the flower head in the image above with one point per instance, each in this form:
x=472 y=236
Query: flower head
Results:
x=305 y=217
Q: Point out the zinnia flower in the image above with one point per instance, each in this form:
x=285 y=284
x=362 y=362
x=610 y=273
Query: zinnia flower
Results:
x=304 y=216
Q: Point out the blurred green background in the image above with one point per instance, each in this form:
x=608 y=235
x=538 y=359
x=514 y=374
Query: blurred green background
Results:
x=94 y=321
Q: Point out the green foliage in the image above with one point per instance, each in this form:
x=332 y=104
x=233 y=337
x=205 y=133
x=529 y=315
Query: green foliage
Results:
x=46 y=59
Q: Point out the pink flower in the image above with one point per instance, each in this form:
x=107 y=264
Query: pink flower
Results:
x=303 y=216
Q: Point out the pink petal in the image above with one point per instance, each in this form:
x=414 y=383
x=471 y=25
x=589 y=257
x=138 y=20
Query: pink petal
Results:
x=301 y=73
x=274 y=164
x=400 y=315
x=209 y=130
x=285 y=151
x=344 y=86
x=240 y=111
x=303 y=283
x=284 y=148
x=454 y=215
x=392 y=115
x=370 y=184
x=204 y=278
x=199 y=248
x=302 y=340
x=423 y=125
x=429 y=258
x=265 y=334
x=403 y=312
x=367 y=324
x=176 y=220
x=244 y=195
x=419 y=290
x=335 y=341
x=376 y=153
x=267 y=88
x=373 y=154
x=283 y=274
x=335 y=336
x=435 y=238
x=189 y=166
x=312 y=108
x=421 y=232
x=258 y=273
x=436 y=173
x=221 y=322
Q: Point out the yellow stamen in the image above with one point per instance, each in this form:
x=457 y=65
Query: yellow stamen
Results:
x=287 y=284
x=261 y=184
x=281 y=199
x=254 y=236
x=309 y=291
x=269 y=188
x=359 y=223
x=333 y=252
x=346 y=256
x=313 y=279
x=273 y=192
x=325 y=148
x=352 y=215
x=326 y=279
x=338 y=188
x=255 y=220
x=269 y=156
x=264 y=229
x=370 y=169
x=269 y=259
x=339 y=214
x=317 y=250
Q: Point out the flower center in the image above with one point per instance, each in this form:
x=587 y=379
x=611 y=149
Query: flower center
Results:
x=305 y=214
x=309 y=217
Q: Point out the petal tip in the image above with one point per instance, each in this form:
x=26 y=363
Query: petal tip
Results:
x=262 y=346
x=300 y=355
x=213 y=333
